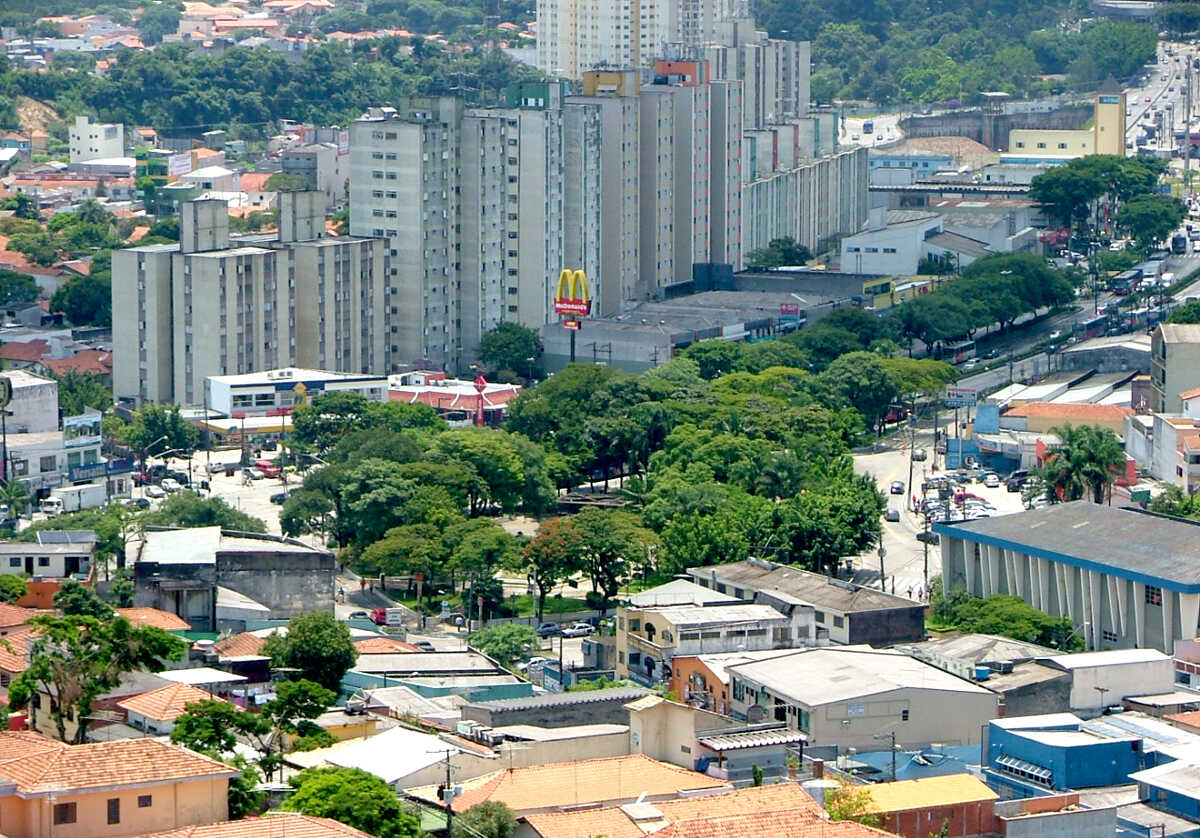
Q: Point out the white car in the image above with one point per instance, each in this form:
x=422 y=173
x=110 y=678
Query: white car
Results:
x=170 y=484
x=155 y=492
x=578 y=630
x=991 y=480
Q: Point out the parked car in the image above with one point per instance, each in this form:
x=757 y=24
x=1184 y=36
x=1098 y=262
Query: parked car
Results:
x=216 y=468
x=424 y=645
x=919 y=455
x=153 y=491
x=549 y=630
x=1016 y=480
x=897 y=487
x=359 y=615
x=253 y=473
x=928 y=537
x=170 y=484
x=892 y=515
x=268 y=468
x=578 y=630
x=137 y=503
x=279 y=497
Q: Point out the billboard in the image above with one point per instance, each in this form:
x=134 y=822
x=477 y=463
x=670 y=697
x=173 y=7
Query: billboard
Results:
x=572 y=295
x=81 y=430
x=343 y=143
x=179 y=164
x=960 y=397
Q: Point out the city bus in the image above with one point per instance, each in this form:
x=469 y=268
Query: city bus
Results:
x=958 y=351
x=1093 y=326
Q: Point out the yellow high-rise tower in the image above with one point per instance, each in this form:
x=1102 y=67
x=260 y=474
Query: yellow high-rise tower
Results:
x=1109 y=122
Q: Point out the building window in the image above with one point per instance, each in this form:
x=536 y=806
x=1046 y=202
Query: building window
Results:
x=1020 y=145
x=14 y=561
x=1041 y=145
x=1153 y=595
x=819 y=616
x=144 y=801
x=48 y=463
x=904 y=715
x=889 y=250
x=43 y=561
x=1109 y=636
x=839 y=622
x=64 y=813
x=114 y=810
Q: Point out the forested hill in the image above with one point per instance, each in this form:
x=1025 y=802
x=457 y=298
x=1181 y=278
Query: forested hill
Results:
x=923 y=51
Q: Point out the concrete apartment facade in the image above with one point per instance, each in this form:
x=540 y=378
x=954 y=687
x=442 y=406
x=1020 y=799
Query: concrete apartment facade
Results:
x=91 y=140
x=1174 y=365
x=213 y=305
x=774 y=73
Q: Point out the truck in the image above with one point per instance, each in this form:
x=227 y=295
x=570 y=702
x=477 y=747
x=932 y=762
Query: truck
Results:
x=1179 y=244
x=74 y=498
x=388 y=616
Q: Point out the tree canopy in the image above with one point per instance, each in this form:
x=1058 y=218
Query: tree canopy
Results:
x=317 y=645
x=355 y=798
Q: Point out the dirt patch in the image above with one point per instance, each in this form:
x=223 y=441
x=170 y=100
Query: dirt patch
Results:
x=34 y=114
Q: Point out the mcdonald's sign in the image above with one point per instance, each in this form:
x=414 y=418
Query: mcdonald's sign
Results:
x=572 y=296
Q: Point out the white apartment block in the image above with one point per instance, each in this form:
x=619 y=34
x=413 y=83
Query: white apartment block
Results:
x=774 y=73
x=575 y=36
x=404 y=187
x=614 y=93
x=725 y=205
x=212 y=305
x=89 y=140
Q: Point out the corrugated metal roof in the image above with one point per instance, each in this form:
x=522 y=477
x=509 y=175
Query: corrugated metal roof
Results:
x=751 y=739
x=537 y=702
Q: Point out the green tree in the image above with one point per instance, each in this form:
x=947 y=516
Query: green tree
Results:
x=12 y=588
x=1065 y=193
x=317 y=645
x=75 y=599
x=862 y=379
x=714 y=357
x=1186 y=313
x=78 y=391
x=512 y=347
x=157 y=20
x=85 y=300
x=189 y=509
x=551 y=557
x=73 y=660
x=353 y=797
x=157 y=428
x=489 y=819
x=16 y=287
x=284 y=182
x=1084 y=464
x=851 y=803
x=1150 y=218
x=506 y=643
x=695 y=540
x=779 y=253
x=614 y=546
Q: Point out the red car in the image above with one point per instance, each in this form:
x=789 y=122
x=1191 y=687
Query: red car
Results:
x=268 y=468
x=141 y=478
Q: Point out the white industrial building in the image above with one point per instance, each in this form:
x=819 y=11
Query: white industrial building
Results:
x=1125 y=578
x=91 y=140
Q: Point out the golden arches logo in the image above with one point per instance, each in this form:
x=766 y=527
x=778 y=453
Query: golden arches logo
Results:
x=572 y=295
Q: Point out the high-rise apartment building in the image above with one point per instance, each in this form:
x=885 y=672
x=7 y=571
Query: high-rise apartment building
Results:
x=614 y=95
x=403 y=187
x=774 y=73
x=725 y=179
x=675 y=170
x=575 y=36
x=217 y=305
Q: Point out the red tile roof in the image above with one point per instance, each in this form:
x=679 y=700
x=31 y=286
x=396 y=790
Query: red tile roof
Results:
x=274 y=825
x=144 y=616
x=770 y=825
x=382 y=646
x=14 y=615
x=41 y=766
x=29 y=351
x=1080 y=412
x=89 y=361
x=164 y=704
x=237 y=645
x=13 y=648
x=255 y=181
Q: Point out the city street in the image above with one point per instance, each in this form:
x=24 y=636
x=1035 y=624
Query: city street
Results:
x=903 y=555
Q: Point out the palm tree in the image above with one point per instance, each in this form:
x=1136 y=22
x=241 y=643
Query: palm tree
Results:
x=16 y=496
x=1084 y=464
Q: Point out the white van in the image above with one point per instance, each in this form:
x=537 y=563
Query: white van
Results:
x=52 y=506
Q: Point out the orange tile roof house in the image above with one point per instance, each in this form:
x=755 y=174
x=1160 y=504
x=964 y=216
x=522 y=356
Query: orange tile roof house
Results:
x=1040 y=417
x=155 y=617
x=611 y=781
x=771 y=811
x=156 y=711
x=919 y=808
x=275 y=825
x=13 y=617
x=106 y=790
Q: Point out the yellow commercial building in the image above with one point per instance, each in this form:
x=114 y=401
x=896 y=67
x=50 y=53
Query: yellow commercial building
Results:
x=1106 y=136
